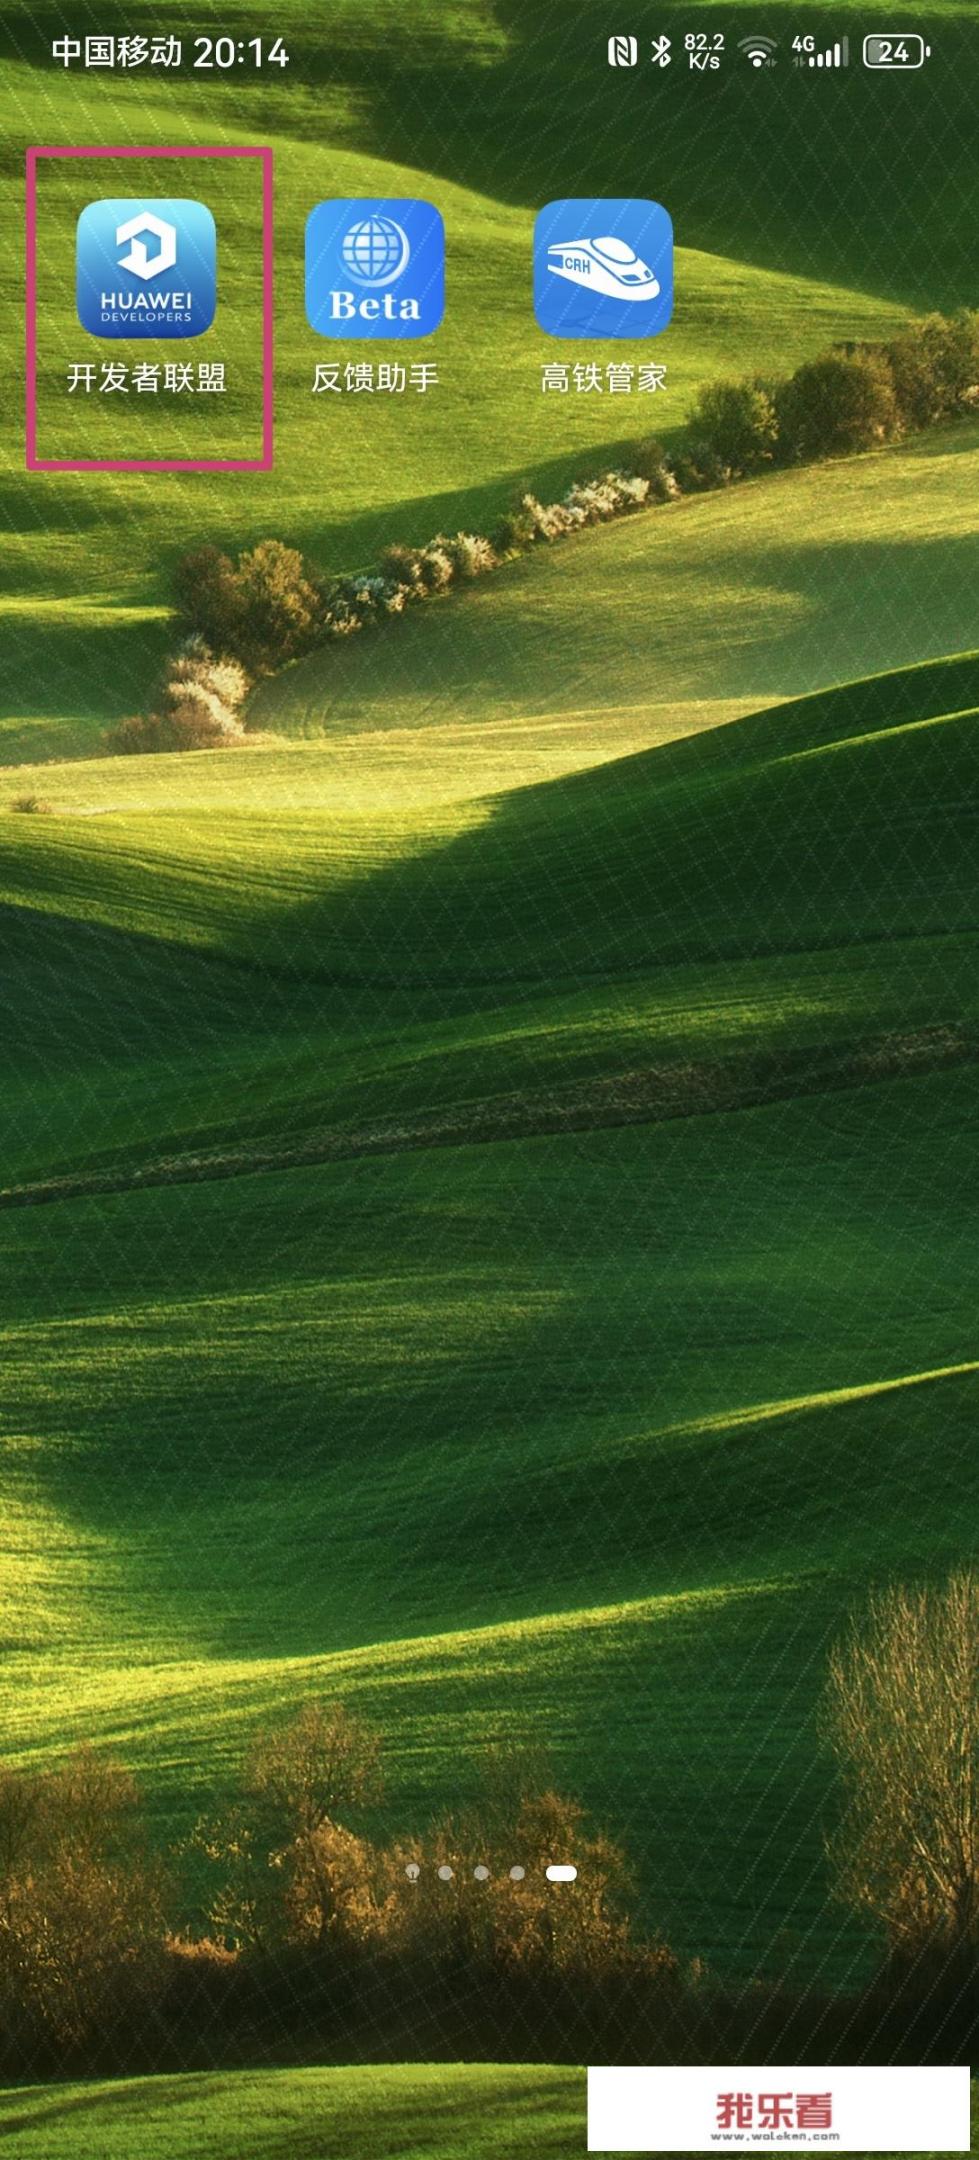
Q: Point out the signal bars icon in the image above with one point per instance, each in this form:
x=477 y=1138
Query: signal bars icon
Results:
x=833 y=56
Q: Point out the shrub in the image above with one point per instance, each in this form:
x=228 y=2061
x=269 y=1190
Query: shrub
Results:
x=283 y=1866
x=512 y=532
x=436 y=567
x=363 y=592
x=194 y=664
x=202 y=698
x=189 y=725
x=548 y=521
x=648 y=459
x=835 y=406
x=329 y=1894
x=917 y=389
x=320 y=1761
x=32 y=805
x=264 y=611
x=736 y=421
x=935 y=368
x=355 y=600
x=193 y=722
x=136 y=736
x=610 y=494
x=240 y=1889
x=470 y=554
x=514 y=1925
x=340 y=617
x=207 y=593
x=698 y=469
x=956 y=359
x=402 y=566
x=901 y=1713
x=281 y=606
x=199 y=707
x=81 y=1904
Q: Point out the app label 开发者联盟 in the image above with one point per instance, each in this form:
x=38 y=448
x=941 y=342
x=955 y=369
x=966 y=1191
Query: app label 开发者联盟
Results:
x=146 y=267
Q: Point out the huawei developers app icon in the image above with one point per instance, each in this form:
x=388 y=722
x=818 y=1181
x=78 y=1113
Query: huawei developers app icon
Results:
x=146 y=268
x=375 y=268
x=603 y=269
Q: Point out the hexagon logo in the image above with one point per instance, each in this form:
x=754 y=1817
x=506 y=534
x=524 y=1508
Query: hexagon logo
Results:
x=138 y=260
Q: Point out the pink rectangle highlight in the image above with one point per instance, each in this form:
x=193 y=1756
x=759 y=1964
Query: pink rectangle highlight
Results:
x=151 y=150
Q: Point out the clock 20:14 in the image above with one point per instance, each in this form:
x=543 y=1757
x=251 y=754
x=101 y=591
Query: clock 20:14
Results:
x=229 y=52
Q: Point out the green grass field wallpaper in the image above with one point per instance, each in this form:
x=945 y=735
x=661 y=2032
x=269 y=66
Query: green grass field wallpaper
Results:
x=488 y=1215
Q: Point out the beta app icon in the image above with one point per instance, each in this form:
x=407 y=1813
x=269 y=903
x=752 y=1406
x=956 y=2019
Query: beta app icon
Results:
x=603 y=269
x=146 y=267
x=375 y=268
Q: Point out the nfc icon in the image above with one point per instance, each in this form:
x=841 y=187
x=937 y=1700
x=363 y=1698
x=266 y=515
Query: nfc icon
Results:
x=623 y=51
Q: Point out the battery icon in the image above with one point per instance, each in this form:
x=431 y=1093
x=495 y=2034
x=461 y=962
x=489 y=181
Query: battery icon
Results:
x=909 y=51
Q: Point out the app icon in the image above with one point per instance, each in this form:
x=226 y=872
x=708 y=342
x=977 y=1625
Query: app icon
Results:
x=146 y=268
x=375 y=268
x=603 y=269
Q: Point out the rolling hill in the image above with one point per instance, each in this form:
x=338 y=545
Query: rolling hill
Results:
x=487 y=1169
x=435 y=2112
x=486 y=1307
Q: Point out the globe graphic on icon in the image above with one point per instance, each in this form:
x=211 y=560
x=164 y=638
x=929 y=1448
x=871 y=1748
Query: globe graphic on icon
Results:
x=375 y=251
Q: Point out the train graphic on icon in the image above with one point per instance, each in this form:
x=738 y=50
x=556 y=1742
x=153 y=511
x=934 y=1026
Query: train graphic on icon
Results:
x=604 y=265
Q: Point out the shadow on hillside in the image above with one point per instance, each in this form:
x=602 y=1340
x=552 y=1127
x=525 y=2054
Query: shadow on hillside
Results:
x=78 y=996
x=551 y=119
x=64 y=680
x=711 y=848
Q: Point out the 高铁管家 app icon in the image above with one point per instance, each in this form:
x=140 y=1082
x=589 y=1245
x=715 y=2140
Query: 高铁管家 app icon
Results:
x=603 y=268
x=146 y=268
x=375 y=268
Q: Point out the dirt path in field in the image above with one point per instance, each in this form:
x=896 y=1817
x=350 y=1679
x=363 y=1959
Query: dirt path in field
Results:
x=645 y=1095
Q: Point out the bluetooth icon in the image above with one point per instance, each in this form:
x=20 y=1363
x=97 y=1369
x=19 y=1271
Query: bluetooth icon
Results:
x=660 y=54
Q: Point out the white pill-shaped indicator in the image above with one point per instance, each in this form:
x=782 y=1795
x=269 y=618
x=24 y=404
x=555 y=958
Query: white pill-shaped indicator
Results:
x=560 y=1873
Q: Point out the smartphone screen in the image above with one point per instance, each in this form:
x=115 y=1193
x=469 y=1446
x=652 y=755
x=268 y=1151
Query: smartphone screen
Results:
x=489 y=1036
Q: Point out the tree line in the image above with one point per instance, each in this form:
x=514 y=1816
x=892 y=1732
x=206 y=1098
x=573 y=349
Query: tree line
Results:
x=245 y=618
x=310 y=1931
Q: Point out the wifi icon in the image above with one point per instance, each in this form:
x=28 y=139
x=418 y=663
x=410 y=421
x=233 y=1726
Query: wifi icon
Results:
x=759 y=50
